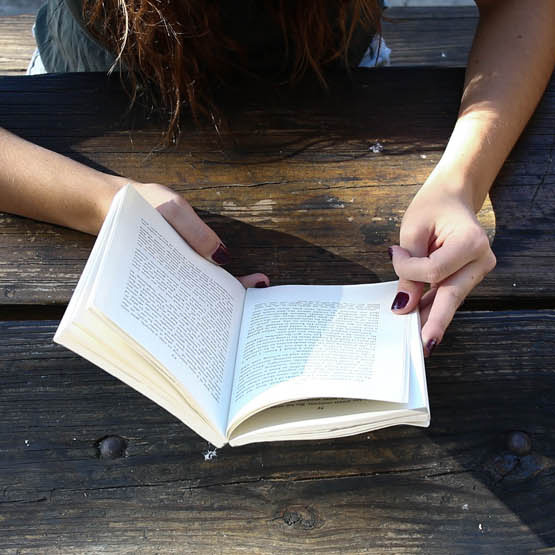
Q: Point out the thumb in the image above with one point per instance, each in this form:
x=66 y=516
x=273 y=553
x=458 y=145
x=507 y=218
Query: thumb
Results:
x=408 y=292
x=180 y=214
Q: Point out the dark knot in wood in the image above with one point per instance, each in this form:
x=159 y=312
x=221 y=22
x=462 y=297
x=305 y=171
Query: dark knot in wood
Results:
x=111 y=447
x=510 y=468
x=515 y=462
x=519 y=443
x=504 y=464
x=302 y=517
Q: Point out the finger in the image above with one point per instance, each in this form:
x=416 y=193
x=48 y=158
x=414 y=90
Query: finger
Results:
x=428 y=297
x=255 y=280
x=450 y=294
x=179 y=213
x=415 y=243
x=408 y=292
x=425 y=305
x=407 y=297
x=450 y=257
x=424 y=315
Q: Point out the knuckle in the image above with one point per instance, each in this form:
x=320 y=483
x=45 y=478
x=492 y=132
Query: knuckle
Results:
x=477 y=239
x=205 y=236
x=491 y=262
x=408 y=234
x=406 y=231
x=432 y=276
x=487 y=265
x=435 y=273
x=455 y=297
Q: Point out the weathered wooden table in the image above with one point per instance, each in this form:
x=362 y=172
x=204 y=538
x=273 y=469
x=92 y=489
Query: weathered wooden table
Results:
x=298 y=192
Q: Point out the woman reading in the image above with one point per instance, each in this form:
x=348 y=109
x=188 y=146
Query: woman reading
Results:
x=180 y=51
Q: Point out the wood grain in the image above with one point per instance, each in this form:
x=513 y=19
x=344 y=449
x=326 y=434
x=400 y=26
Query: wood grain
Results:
x=17 y=43
x=438 y=36
x=294 y=187
x=402 y=489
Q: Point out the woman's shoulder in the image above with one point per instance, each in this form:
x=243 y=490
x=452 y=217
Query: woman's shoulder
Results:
x=64 y=43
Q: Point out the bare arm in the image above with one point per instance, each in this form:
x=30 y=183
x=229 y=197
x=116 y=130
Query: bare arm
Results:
x=43 y=185
x=46 y=186
x=512 y=58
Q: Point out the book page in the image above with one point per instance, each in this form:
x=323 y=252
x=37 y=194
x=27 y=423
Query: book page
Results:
x=333 y=417
x=300 y=342
x=180 y=309
x=97 y=340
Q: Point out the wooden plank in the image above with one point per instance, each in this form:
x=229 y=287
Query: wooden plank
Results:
x=295 y=189
x=438 y=36
x=17 y=43
x=453 y=488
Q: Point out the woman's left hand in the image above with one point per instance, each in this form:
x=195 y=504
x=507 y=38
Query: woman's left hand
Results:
x=443 y=245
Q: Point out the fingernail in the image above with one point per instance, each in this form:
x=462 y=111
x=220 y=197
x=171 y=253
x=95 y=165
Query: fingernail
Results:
x=430 y=346
x=261 y=285
x=390 y=252
x=221 y=256
x=400 y=301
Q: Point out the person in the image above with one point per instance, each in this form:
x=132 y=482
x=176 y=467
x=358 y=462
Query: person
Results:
x=181 y=49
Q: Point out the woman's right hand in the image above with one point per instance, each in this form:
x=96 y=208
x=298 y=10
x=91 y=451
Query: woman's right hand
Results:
x=181 y=216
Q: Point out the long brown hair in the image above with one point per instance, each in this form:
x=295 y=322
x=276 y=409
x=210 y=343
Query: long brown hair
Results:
x=178 y=49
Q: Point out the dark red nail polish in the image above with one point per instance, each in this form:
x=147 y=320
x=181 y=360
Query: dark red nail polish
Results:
x=400 y=301
x=390 y=252
x=221 y=256
x=430 y=346
x=261 y=285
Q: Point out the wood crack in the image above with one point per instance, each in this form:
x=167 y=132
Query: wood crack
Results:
x=545 y=174
x=259 y=479
x=233 y=185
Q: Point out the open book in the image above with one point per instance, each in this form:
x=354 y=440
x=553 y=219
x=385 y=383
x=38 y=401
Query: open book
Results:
x=237 y=365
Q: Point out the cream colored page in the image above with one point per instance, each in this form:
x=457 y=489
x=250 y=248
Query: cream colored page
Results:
x=333 y=417
x=85 y=333
x=322 y=417
x=300 y=342
x=91 y=267
x=183 y=310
